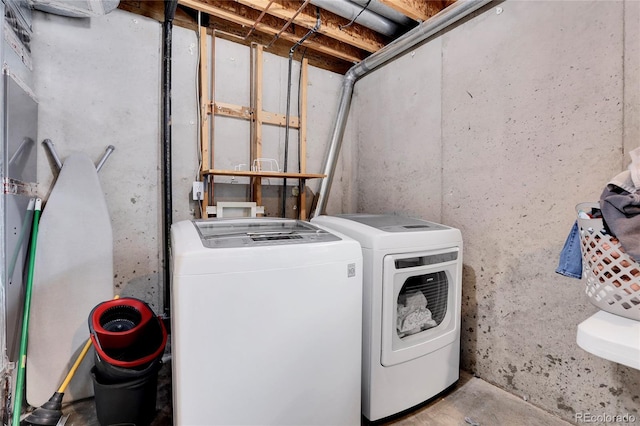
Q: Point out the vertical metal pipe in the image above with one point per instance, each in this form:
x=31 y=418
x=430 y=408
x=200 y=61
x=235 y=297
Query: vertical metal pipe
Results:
x=167 y=27
x=336 y=141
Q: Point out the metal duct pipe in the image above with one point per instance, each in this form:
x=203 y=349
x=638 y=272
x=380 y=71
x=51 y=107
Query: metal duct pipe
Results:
x=368 y=19
x=448 y=16
x=385 y=11
x=336 y=142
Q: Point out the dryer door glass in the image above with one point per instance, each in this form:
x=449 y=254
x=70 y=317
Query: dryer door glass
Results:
x=421 y=303
x=419 y=293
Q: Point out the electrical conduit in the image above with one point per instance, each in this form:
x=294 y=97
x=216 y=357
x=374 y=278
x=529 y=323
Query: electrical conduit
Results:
x=288 y=113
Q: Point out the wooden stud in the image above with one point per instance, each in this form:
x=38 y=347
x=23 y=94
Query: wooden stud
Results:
x=205 y=118
x=258 y=113
x=210 y=155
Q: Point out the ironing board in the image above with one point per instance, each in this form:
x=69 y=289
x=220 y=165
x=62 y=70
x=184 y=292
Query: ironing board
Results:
x=73 y=273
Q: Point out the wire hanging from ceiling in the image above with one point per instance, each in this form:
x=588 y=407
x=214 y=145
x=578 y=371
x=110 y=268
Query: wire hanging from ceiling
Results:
x=356 y=17
x=288 y=113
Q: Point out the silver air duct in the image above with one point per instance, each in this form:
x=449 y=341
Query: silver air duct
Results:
x=352 y=11
x=381 y=9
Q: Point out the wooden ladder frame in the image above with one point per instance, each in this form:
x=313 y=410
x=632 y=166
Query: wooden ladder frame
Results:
x=209 y=108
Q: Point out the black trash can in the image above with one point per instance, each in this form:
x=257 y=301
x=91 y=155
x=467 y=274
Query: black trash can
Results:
x=129 y=342
x=131 y=402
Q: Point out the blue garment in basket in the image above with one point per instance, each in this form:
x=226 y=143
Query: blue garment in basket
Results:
x=570 y=264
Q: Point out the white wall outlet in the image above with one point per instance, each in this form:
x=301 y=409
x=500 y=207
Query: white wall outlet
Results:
x=198 y=191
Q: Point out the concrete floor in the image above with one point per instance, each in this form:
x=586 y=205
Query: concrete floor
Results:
x=474 y=402
x=471 y=401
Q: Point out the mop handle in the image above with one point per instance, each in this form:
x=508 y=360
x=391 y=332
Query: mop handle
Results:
x=76 y=364
x=22 y=361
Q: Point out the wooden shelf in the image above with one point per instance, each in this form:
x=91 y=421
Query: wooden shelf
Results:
x=246 y=173
x=257 y=117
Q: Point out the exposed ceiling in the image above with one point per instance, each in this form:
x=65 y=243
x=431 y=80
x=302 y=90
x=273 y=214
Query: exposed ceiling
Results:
x=346 y=31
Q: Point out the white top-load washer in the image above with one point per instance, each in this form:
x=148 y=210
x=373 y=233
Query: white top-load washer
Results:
x=412 y=272
x=266 y=323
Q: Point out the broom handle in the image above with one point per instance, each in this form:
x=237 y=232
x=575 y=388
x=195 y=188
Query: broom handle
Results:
x=22 y=361
x=76 y=364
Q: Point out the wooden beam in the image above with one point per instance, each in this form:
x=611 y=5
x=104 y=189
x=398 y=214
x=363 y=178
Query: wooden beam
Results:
x=205 y=117
x=256 y=99
x=245 y=113
x=231 y=11
x=235 y=33
x=251 y=173
x=420 y=10
x=276 y=119
x=155 y=10
x=186 y=18
x=331 y=25
x=229 y=110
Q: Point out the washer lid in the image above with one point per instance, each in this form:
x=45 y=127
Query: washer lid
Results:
x=225 y=233
x=390 y=223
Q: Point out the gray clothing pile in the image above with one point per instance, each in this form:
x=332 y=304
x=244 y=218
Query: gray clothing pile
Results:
x=620 y=205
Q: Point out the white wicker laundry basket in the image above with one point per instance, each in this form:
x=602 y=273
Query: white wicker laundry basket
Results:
x=612 y=276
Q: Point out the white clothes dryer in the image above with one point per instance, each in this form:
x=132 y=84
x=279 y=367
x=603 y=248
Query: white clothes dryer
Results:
x=412 y=272
x=266 y=323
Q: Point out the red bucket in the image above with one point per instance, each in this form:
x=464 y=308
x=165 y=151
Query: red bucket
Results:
x=126 y=333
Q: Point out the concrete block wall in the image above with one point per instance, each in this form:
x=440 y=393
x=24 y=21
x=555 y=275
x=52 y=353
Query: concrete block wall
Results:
x=98 y=84
x=499 y=127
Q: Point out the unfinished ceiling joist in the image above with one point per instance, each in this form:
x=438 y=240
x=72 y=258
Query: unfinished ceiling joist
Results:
x=332 y=25
x=420 y=10
x=339 y=42
x=231 y=11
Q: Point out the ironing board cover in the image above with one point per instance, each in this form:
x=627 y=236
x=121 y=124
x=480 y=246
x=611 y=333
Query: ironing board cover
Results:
x=73 y=273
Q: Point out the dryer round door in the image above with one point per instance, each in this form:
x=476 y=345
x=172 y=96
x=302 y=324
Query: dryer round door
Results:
x=420 y=304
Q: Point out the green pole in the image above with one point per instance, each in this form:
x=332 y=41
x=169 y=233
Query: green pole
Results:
x=18 y=396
